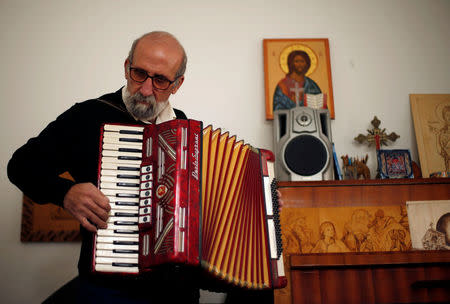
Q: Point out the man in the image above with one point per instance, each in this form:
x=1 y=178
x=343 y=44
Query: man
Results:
x=154 y=70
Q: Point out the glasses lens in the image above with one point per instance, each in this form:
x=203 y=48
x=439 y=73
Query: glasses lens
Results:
x=138 y=75
x=161 y=83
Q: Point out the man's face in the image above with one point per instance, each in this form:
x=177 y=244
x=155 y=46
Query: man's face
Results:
x=300 y=64
x=159 y=58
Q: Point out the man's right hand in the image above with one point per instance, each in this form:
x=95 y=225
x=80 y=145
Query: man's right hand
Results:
x=88 y=205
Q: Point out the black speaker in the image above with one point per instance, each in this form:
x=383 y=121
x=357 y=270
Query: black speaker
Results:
x=302 y=141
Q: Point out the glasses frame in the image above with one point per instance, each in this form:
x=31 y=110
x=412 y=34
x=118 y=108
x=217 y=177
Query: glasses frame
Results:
x=130 y=68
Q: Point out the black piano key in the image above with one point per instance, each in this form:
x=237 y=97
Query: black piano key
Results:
x=135 y=132
x=128 y=168
x=124 y=264
x=130 y=150
x=127 y=176
x=126 y=204
x=131 y=185
x=122 y=231
x=125 y=223
x=129 y=158
x=125 y=243
x=125 y=251
x=125 y=214
x=136 y=140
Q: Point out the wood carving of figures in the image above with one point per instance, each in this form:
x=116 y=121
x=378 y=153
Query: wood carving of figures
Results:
x=443 y=135
x=297 y=236
x=328 y=241
x=357 y=230
x=386 y=234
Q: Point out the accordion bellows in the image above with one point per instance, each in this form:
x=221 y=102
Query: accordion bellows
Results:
x=202 y=198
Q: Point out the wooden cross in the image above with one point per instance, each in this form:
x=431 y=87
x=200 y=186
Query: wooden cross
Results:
x=376 y=135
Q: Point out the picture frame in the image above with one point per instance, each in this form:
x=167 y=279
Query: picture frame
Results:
x=281 y=91
x=428 y=222
x=394 y=164
x=48 y=222
x=431 y=118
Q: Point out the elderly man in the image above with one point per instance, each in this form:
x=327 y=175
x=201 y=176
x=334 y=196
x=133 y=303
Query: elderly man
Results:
x=154 y=70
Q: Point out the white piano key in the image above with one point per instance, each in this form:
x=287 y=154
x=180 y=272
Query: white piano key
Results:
x=123 y=162
x=109 y=165
x=114 y=199
x=109 y=246
x=125 y=144
x=137 y=148
x=110 y=253
x=110 y=268
x=113 y=219
x=124 y=186
x=111 y=240
x=118 y=128
x=124 y=174
x=110 y=260
x=117 y=232
x=121 y=227
x=115 y=179
x=122 y=135
x=119 y=207
x=119 y=192
x=112 y=153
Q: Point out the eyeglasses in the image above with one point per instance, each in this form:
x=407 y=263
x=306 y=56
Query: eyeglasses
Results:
x=159 y=82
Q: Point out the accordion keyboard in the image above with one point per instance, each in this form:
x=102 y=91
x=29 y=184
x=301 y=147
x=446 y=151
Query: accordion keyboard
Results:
x=117 y=246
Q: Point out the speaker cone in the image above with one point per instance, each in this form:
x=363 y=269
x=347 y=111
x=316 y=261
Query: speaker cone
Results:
x=305 y=155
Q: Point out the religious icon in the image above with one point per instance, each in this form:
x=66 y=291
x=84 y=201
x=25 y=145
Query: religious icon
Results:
x=297 y=73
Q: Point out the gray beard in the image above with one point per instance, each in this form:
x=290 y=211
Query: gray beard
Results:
x=146 y=112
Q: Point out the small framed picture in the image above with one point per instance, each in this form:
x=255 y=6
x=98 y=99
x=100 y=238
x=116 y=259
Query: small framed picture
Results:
x=394 y=164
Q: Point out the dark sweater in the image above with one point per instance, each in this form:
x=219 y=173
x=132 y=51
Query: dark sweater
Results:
x=70 y=144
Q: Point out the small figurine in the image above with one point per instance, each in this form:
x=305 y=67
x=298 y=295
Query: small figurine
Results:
x=355 y=168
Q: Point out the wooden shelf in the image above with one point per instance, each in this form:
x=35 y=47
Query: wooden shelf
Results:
x=365 y=277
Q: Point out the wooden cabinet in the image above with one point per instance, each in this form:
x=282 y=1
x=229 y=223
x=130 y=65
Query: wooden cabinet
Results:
x=369 y=277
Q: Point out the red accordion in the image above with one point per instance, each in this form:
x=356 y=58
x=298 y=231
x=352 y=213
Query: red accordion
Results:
x=182 y=194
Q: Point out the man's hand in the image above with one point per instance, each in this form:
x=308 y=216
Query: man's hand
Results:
x=280 y=201
x=88 y=205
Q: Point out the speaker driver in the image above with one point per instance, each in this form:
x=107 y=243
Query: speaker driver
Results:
x=306 y=155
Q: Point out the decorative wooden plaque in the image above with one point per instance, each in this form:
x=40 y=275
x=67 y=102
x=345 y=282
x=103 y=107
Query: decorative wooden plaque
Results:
x=47 y=223
x=431 y=114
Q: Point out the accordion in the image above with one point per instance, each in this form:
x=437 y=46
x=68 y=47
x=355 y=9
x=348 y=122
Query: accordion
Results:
x=181 y=194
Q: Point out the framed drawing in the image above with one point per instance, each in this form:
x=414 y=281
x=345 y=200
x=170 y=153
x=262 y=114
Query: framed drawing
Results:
x=429 y=224
x=395 y=163
x=297 y=72
x=431 y=116
x=48 y=223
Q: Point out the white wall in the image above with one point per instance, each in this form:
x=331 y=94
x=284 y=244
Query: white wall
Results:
x=54 y=53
